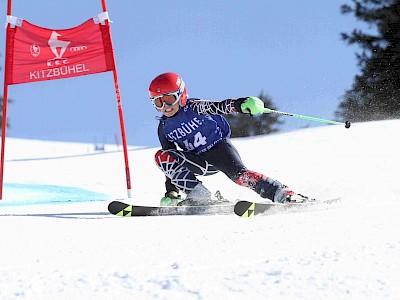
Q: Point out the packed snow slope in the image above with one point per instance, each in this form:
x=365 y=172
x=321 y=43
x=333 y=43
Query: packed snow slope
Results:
x=59 y=242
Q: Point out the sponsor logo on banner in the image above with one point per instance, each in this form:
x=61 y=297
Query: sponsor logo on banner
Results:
x=57 y=46
x=35 y=50
x=58 y=65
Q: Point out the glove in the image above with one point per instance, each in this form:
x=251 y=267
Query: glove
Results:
x=170 y=199
x=253 y=106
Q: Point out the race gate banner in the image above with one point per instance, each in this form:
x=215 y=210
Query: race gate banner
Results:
x=36 y=54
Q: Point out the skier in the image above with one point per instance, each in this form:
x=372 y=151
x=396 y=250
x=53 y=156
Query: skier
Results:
x=199 y=129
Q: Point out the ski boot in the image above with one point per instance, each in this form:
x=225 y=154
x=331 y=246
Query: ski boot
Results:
x=286 y=195
x=171 y=198
x=200 y=195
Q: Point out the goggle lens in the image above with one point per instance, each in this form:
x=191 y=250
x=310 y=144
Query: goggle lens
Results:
x=169 y=99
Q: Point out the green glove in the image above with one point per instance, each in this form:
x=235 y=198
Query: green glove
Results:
x=253 y=106
x=170 y=199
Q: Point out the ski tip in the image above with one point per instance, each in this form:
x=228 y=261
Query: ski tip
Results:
x=112 y=207
x=116 y=207
x=244 y=209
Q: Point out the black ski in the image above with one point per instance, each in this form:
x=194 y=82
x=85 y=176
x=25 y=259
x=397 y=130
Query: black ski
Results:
x=248 y=209
x=122 y=209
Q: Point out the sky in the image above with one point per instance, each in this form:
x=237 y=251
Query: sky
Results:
x=58 y=241
x=289 y=50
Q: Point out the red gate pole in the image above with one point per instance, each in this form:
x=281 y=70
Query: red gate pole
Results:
x=5 y=102
x=120 y=113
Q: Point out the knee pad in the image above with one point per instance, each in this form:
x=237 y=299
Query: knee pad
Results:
x=180 y=176
x=163 y=157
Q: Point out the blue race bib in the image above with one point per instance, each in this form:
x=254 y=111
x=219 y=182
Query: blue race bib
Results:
x=193 y=132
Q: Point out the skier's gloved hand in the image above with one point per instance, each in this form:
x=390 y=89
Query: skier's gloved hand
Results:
x=253 y=106
x=170 y=199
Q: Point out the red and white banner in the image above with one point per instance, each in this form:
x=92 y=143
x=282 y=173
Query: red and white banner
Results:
x=37 y=54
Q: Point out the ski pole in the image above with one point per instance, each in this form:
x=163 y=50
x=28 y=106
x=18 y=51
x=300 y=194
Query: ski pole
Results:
x=346 y=124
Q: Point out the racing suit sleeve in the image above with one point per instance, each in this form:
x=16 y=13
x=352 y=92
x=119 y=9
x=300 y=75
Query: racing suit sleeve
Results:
x=208 y=107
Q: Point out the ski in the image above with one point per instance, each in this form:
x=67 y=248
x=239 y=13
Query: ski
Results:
x=241 y=208
x=122 y=209
x=247 y=209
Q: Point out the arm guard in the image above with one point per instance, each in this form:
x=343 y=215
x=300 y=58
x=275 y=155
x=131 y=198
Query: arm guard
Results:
x=207 y=107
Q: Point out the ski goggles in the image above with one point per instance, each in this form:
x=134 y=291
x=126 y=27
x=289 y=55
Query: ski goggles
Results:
x=169 y=99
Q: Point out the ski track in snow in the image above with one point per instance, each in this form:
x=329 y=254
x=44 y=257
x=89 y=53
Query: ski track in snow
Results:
x=73 y=249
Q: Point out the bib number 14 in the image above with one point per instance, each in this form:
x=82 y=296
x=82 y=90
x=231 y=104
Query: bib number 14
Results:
x=199 y=140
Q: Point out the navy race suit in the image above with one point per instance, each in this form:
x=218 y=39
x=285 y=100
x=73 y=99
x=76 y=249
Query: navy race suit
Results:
x=203 y=134
x=196 y=127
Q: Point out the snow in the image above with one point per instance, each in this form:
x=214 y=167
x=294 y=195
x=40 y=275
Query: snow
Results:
x=59 y=242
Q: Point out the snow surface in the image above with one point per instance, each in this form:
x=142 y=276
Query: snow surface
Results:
x=57 y=240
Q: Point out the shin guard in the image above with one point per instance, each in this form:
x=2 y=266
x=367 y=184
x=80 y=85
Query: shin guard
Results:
x=181 y=177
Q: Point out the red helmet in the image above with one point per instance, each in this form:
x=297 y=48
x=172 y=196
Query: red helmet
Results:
x=168 y=83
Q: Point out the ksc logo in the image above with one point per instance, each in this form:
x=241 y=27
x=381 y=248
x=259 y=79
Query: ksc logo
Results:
x=56 y=44
x=35 y=50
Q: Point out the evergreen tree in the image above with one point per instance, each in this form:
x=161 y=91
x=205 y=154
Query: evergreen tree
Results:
x=375 y=93
x=243 y=125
